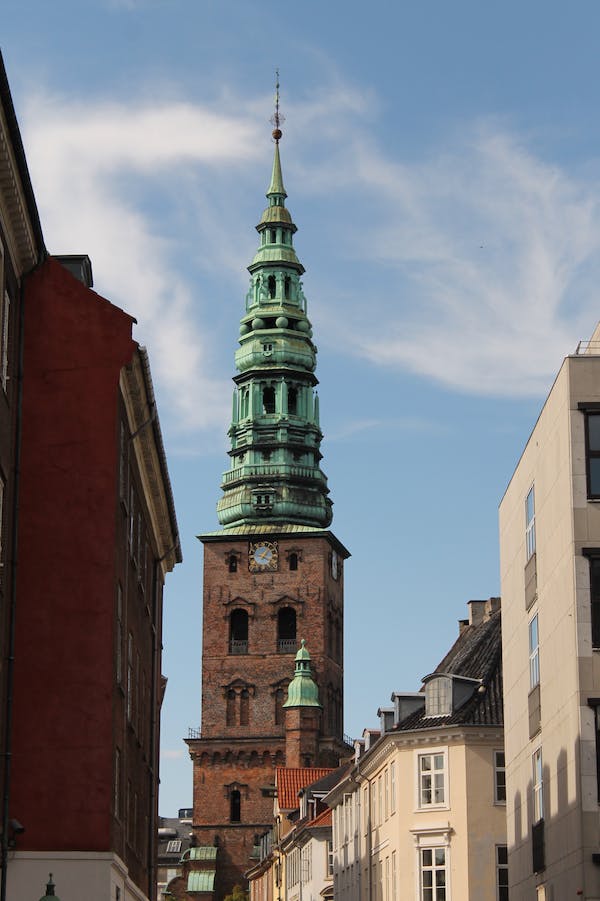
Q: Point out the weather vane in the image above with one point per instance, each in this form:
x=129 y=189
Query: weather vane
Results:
x=277 y=119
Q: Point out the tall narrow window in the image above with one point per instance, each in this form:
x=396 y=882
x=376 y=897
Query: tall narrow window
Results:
x=293 y=561
x=117 y=786
x=244 y=707
x=392 y=787
x=245 y=403
x=499 y=777
x=432 y=777
x=592 y=439
x=272 y=285
x=534 y=653
x=530 y=523
x=238 y=632
x=235 y=806
x=595 y=600
x=230 y=715
x=232 y=563
x=502 y=872
x=268 y=400
x=279 y=696
x=286 y=287
x=129 y=676
x=119 y=636
x=286 y=630
x=433 y=874
x=293 y=401
x=538 y=786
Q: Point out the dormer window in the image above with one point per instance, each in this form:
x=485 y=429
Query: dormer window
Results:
x=438 y=697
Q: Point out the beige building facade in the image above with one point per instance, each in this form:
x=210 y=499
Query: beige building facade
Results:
x=550 y=584
x=421 y=815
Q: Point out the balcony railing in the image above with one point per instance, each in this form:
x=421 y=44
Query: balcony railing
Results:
x=237 y=646
x=269 y=470
x=194 y=733
x=287 y=645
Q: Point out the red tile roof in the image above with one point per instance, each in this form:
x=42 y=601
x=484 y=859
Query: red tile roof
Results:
x=322 y=819
x=289 y=781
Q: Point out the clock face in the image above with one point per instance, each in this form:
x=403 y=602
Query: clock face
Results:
x=334 y=565
x=263 y=556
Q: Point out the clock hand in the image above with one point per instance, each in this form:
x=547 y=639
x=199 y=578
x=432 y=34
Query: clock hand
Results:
x=264 y=554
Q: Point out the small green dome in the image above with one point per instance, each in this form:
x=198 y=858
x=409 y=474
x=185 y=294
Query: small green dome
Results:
x=50 y=894
x=303 y=691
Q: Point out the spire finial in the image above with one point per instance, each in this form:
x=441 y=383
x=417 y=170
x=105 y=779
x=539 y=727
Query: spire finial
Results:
x=277 y=119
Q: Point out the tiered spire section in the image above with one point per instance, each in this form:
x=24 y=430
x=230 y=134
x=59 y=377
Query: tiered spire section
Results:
x=275 y=476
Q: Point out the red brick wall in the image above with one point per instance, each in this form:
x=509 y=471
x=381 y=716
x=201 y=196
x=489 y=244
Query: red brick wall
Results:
x=75 y=345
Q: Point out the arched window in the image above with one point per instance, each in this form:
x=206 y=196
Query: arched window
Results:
x=286 y=287
x=269 y=400
x=273 y=236
x=272 y=284
x=231 y=707
x=235 y=806
x=238 y=632
x=279 y=713
x=293 y=561
x=292 y=401
x=244 y=707
x=245 y=403
x=232 y=563
x=286 y=630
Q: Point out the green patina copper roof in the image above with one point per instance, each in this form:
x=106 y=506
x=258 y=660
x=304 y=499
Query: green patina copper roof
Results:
x=50 y=893
x=276 y=186
x=201 y=881
x=275 y=475
x=203 y=852
x=303 y=690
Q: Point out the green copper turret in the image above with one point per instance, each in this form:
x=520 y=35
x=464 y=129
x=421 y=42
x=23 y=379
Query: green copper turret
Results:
x=275 y=475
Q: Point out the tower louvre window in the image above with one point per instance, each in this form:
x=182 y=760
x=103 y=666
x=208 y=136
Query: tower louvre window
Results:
x=293 y=401
x=272 y=285
x=286 y=287
x=293 y=561
x=232 y=563
x=269 y=400
x=235 y=806
x=286 y=630
x=238 y=632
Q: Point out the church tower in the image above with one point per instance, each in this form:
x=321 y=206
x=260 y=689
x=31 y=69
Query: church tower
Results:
x=273 y=573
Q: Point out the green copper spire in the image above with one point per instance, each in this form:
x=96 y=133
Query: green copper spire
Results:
x=275 y=476
x=303 y=690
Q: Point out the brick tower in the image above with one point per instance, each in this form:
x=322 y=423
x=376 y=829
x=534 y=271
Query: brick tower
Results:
x=273 y=573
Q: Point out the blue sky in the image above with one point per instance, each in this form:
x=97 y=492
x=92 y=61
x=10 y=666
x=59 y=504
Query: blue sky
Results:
x=442 y=165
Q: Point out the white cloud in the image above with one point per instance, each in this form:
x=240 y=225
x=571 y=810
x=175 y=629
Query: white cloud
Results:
x=172 y=754
x=479 y=263
x=491 y=260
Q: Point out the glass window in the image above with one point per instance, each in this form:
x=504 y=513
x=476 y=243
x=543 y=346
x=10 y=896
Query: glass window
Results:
x=392 y=787
x=538 y=786
x=438 y=697
x=534 y=653
x=530 y=523
x=593 y=453
x=238 y=632
x=499 y=777
x=433 y=874
x=502 y=872
x=235 y=806
x=595 y=600
x=431 y=780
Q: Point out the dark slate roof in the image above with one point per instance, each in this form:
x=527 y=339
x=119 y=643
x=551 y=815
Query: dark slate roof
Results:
x=476 y=654
x=327 y=782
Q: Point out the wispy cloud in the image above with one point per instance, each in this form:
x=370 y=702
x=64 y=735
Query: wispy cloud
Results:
x=478 y=263
x=172 y=754
x=491 y=259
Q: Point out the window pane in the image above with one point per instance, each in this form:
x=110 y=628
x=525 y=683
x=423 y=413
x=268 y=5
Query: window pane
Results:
x=425 y=763
x=594 y=475
x=439 y=761
x=440 y=857
x=427 y=857
x=594 y=431
x=502 y=852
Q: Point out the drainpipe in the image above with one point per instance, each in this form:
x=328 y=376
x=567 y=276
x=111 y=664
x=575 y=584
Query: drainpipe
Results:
x=12 y=608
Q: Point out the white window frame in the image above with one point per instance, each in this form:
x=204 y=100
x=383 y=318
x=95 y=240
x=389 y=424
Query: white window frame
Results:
x=173 y=846
x=438 y=696
x=530 y=523
x=431 y=839
x=499 y=769
x=434 y=753
x=392 y=787
x=534 y=651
